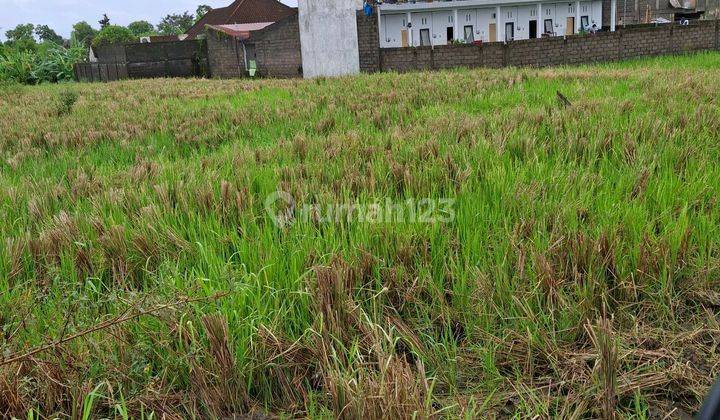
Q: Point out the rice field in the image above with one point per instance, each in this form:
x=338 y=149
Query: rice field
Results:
x=514 y=243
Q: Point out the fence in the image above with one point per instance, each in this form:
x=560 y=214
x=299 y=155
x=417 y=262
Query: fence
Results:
x=149 y=60
x=578 y=49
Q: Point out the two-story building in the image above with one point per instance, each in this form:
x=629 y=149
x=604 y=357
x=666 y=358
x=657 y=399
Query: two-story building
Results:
x=430 y=23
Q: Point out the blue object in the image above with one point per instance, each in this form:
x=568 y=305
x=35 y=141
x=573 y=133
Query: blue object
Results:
x=368 y=9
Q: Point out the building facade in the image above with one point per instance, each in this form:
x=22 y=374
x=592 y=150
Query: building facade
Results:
x=471 y=21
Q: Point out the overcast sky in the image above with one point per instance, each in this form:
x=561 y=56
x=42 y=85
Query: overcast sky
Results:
x=62 y=14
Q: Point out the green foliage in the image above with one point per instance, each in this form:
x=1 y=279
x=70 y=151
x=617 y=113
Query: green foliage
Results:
x=141 y=28
x=176 y=24
x=51 y=64
x=201 y=11
x=83 y=33
x=21 y=38
x=66 y=100
x=105 y=21
x=23 y=31
x=47 y=34
x=579 y=276
x=113 y=34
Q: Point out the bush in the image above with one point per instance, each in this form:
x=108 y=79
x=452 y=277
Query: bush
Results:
x=52 y=64
x=113 y=34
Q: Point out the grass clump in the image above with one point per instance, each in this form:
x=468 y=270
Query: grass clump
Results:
x=577 y=278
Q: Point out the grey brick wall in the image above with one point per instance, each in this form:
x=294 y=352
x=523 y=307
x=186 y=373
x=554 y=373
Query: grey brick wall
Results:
x=368 y=43
x=225 y=56
x=277 y=50
x=578 y=49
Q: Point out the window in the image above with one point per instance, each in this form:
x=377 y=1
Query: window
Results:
x=549 y=27
x=532 y=12
x=585 y=22
x=469 y=38
x=468 y=17
x=509 y=31
x=424 y=37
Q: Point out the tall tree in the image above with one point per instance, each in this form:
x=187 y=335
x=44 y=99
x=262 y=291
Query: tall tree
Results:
x=105 y=21
x=176 y=24
x=47 y=34
x=83 y=33
x=21 y=38
x=201 y=11
x=141 y=28
x=22 y=31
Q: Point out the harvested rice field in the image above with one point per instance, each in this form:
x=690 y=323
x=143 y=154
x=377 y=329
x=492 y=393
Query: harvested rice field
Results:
x=516 y=243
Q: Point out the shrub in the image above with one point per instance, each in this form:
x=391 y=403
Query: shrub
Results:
x=113 y=34
x=52 y=64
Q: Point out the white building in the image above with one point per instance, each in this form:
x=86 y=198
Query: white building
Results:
x=430 y=23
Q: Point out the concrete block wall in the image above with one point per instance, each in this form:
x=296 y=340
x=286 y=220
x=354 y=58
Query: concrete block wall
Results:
x=278 y=49
x=578 y=49
x=368 y=43
x=225 y=56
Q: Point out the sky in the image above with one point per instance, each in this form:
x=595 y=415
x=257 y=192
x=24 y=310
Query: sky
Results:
x=62 y=14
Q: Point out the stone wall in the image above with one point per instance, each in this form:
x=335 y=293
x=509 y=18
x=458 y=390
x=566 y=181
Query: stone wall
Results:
x=577 y=49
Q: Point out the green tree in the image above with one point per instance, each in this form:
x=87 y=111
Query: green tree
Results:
x=141 y=28
x=105 y=21
x=23 y=31
x=201 y=11
x=83 y=33
x=113 y=34
x=21 y=38
x=176 y=24
x=47 y=34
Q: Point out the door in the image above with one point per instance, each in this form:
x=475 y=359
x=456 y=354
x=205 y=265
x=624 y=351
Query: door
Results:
x=404 y=38
x=509 y=31
x=493 y=32
x=549 y=29
x=585 y=23
x=450 y=34
x=469 y=34
x=533 y=29
x=425 y=38
x=570 y=26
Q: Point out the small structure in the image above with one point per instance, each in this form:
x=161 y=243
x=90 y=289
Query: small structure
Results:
x=269 y=49
x=242 y=12
x=427 y=23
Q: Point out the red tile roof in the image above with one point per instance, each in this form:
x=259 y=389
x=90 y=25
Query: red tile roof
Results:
x=243 y=11
x=240 y=30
